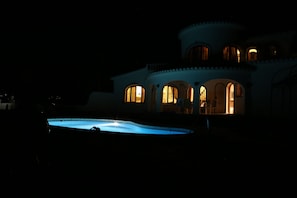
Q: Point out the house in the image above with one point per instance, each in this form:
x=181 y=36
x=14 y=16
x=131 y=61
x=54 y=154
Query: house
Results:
x=7 y=101
x=225 y=69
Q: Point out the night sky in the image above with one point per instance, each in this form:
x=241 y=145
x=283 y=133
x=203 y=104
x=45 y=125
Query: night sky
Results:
x=71 y=49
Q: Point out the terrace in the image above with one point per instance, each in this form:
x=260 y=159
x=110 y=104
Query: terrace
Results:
x=230 y=151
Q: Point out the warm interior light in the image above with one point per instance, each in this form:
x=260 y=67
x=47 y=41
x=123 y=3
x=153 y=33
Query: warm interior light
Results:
x=253 y=50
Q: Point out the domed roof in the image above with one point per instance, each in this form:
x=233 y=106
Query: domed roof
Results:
x=210 y=25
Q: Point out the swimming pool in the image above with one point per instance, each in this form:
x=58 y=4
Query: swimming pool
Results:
x=106 y=142
x=115 y=126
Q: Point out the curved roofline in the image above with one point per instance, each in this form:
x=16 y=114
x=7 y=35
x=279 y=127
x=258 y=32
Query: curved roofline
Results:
x=215 y=22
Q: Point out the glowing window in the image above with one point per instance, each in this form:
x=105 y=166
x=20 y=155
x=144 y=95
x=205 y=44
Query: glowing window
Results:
x=231 y=53
x=202 y=96
x=191 y=94
x=198 y=54
x=230 y=98
x=134 y=94
x=170 y=94
x=252 y=54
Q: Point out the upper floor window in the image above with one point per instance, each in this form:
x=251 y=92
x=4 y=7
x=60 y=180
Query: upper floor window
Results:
x=169 y=94
x=231 y=53
x=252 y=54
x=198 y=54
x=135 y=94
x=273 y=51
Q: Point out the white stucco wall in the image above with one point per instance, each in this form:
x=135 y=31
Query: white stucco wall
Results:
x=200 y=75
x=262 y=80
x=7 y=106
x=121 y=82
x=215 y=34
x=257 y=83
x=100 y=102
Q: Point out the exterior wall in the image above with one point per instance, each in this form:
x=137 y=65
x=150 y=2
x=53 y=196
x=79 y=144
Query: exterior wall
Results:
x=284 y=41
x=7 y=106
x=121 y=82
x=100 y=102
x=264 y=84
x=196 y=77
x=265 y=100
x=216 y=35
x=7 y=102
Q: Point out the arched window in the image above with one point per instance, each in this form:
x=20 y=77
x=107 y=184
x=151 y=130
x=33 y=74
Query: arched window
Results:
x=190 y=94
x=197 y=54
x=134 y=94
x=252 y=54
x=230 y=89
x=231 y=53
x=202 y=94
x=169 y=94
x=203 y=100
x=273 y=52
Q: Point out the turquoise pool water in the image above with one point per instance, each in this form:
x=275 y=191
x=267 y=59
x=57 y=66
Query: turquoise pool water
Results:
x=115 y=126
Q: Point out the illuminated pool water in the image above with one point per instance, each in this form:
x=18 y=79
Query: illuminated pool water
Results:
x=115 y=126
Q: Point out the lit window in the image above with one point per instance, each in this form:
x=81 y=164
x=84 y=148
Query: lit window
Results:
x=231 y=53
x=198 y=54
x=252 y=54
x=202 y=97
x=134 y=94
x=191 y=94
x=170 y=94
x=202 y=93
x=230 y=99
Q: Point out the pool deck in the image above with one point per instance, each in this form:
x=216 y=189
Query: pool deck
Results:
x=231 y=157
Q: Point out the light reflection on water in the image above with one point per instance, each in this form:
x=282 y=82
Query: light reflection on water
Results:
x=118 y=126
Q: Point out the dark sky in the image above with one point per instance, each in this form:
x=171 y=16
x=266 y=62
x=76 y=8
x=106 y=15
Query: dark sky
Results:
x=74 y=48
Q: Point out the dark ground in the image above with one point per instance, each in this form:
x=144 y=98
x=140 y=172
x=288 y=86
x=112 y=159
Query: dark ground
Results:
x=234 y=157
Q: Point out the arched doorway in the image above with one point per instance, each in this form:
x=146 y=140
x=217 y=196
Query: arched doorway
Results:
x=222 y=96
x=230 y=98
x=178 y=97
